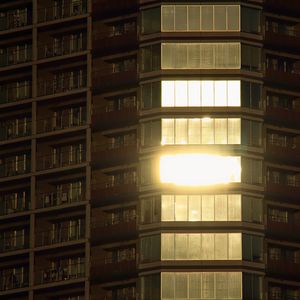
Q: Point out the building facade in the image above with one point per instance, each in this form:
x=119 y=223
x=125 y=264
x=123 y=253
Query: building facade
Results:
x=149 y=150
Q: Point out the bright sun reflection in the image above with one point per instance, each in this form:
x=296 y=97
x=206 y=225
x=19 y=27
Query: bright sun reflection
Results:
x=199 y=169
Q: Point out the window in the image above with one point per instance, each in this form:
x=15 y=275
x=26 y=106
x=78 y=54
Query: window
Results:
x=150 y=20
x=251 y=20
x=151 y=58
x=251 y=58
x=200 y=18
x=212 y=56
x=251 y=171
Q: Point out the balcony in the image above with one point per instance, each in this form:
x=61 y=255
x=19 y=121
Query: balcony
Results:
x=114 y=154
x=15 y=55
x=283 y=190
x=15 y=19
x=102 y=119
x=68 y=9
x=64 y=273
x=13 y=279
x=287 y=39
x=62 y=235
x=110 y=269
x=275 y=296
x=13 y=243
x=109 y=44
x=13 y=129
x=111 y=231
x=285 y=151
x=282 y=78
x=283 y=268
x=106 y=9
x=283 y=7
x=62 y=121
x=61 y=160
x=110 y=193
x=14 y=167
x=65 y=46
x=66 y=84
x=283 y=230
x=106 y=79
x=15 y=91
x=55 y=199
x=279 y=115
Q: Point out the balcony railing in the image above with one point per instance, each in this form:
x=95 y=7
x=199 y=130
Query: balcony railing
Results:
x=283 y=297
x=65 y=47
x=15 y=19
x=14 y=129
x=60 y=160
x=16 y=56
x=56 y=12
x=62 y=235
x=63 y=121
x=14 y=280
x=63 y=273
x=67 y=196
x=18 y=92
x=69 y=83
x=17 y=242
x=14 y=168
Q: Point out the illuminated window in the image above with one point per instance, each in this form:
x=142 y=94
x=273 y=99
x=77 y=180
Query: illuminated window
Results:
x=212 y=56
x=199 y=169
x=200 y=93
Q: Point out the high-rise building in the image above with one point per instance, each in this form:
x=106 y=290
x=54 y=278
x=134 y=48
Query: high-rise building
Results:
x=149 y=150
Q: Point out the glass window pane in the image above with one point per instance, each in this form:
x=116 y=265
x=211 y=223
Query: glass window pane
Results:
x=181 y=208
x=207 y=95
x=180 y=17
x=195 y=285
x=208 y=246
x=194 y=246
x=221 y=246
x=194 y=134
x=168 y=17
x=221 y=285
x=234 y=93
x=181 y=131
x=208 y=285
x=181 y=246
x=167 y=246
x=234 y=131
x=194 y=93
x=194 y=208
x=167 y=208
x=207 y=18
x=207 y=131
x=234 y=208
x=167 y=93
x=194 y=56
x=180 y=56
x=234 y=285
x=235 y=246
x=233 y=17
x=181 y=93
x=167 y=131
x=220 y=93
x=219 y=17
x=221 y=208
x=208 y=203
x=220 y=131
x=194 y=17
x=181 y=286
x=167 y=285
x=207 y=56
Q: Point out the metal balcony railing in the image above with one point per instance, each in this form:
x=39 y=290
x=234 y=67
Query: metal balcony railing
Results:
x=64 y=234
x=282 y=30
x=287 y=142
x=15 y=56
x=15 y=19
x=61 y=159
x=116 y=145
x=14 y=92
x=13 y=280
x=67 y=84
x=58 y=198
x=62 y=121
x=65 y=46
x=13 y=243
x=62 y=11
x=14 y=168
x=13 y=129
x=65 y=272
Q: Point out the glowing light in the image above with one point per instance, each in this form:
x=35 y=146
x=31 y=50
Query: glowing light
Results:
x=199 y=169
